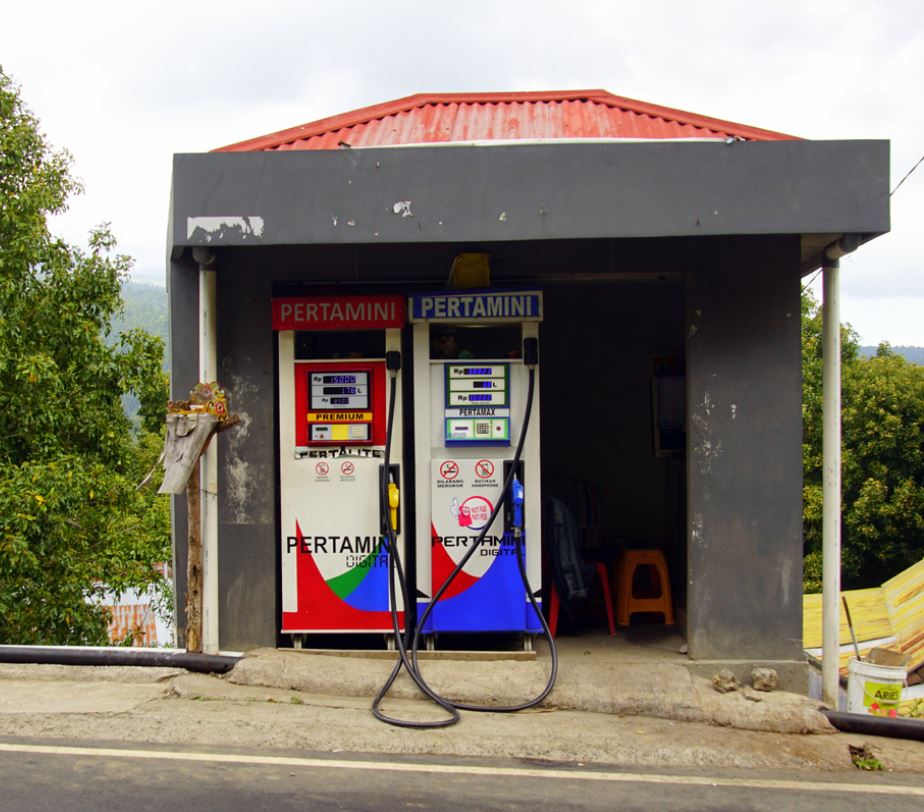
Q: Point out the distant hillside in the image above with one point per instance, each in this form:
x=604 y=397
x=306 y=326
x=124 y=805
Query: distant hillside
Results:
x=914 y=355
x=145 y=307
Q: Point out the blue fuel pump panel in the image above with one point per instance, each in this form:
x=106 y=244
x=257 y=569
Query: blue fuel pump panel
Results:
x=487 y=595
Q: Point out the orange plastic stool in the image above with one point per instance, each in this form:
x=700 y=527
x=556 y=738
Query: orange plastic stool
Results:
x=658 y=600
x=604 y=582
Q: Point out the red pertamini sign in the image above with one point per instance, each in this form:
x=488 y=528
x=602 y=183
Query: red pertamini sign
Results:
x=338 y=312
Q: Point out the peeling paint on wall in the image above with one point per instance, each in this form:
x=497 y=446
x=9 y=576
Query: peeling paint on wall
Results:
x=216 y=229
x=242 y=504
x=403 y=207
x=696 y=530
x=705 y=447
x=697 y=313
x=238 y=483
x=785 y=579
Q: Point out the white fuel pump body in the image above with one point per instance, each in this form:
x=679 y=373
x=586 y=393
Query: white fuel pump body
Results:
x=332 y=421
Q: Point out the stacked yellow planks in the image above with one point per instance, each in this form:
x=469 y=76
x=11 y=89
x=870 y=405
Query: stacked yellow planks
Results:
x=889 y=616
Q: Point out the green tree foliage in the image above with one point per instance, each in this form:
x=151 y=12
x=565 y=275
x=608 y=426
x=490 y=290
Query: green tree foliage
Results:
x=882 y=519
x=72 y=519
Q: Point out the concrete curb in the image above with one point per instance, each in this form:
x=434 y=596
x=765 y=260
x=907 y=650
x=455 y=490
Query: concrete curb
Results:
x=653 y=690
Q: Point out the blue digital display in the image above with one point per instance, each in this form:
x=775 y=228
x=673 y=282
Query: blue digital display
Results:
x=339 y=401
x=474 y=398
x=340 y=390
x=338 y=379
x=482 y=384
x=476 y=371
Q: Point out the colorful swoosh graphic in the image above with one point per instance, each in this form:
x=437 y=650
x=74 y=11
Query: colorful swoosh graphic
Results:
x=356 y=600
x=496 y=602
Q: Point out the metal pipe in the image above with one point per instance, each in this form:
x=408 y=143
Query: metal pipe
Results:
x=865 y=725
x=119 y=655
x=208 y=466
x=831 y=463
x=831 y=488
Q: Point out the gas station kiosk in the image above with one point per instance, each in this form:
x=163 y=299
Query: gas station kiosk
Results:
x=670 y=297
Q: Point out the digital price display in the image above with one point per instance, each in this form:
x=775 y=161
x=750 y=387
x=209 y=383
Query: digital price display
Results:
x=455 y=399
x=486 y=385
x=339 y=390
x=493 y=371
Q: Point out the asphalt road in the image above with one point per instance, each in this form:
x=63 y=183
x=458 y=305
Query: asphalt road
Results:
x=37 y=776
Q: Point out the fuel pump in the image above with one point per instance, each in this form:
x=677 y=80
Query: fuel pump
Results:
x=474 y=411
x=469 y=346
x=334 y=413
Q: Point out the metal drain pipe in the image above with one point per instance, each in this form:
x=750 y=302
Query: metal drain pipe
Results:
x=119 y=655
x=831 y=464
x=862 y=724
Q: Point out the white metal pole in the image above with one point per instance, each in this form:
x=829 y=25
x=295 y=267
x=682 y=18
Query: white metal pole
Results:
x=208 y=472
x=831 y=463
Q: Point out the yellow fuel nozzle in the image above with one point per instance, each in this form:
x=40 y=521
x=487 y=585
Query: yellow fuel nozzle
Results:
x=394 y=499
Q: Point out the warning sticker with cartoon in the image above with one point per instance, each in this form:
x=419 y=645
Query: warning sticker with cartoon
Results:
x=461 y=512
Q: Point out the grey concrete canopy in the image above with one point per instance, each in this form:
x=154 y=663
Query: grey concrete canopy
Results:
x=434 y=194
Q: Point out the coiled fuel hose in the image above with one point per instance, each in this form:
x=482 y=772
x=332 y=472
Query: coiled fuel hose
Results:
x=410 y=642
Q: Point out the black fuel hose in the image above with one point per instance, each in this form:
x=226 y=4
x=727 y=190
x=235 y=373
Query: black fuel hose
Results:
x=412 y=665
x=396 y=573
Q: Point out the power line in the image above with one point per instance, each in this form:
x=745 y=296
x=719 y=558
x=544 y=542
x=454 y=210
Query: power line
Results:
x=908 y=175
x=807 y=284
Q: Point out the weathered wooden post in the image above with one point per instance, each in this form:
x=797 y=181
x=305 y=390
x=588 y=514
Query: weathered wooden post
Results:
x=194 y=563
x=190 y=426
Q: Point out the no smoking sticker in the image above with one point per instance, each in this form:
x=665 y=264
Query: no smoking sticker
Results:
x=449 y=469
x=347 y=468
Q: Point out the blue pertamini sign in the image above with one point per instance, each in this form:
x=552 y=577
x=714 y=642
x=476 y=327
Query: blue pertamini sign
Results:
x=477 y=305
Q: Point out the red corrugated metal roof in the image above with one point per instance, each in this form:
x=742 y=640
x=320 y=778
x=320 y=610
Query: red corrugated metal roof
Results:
x=431 y=118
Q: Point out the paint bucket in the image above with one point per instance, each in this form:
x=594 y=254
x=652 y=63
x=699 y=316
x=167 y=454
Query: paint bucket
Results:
x=875 y=690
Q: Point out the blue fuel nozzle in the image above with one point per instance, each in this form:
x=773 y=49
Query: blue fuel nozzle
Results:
x=517 y=498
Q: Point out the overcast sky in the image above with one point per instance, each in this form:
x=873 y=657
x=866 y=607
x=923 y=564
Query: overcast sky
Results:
x=124 y=85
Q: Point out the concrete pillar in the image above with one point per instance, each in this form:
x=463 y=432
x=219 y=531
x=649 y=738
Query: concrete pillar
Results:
x=744 y=449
